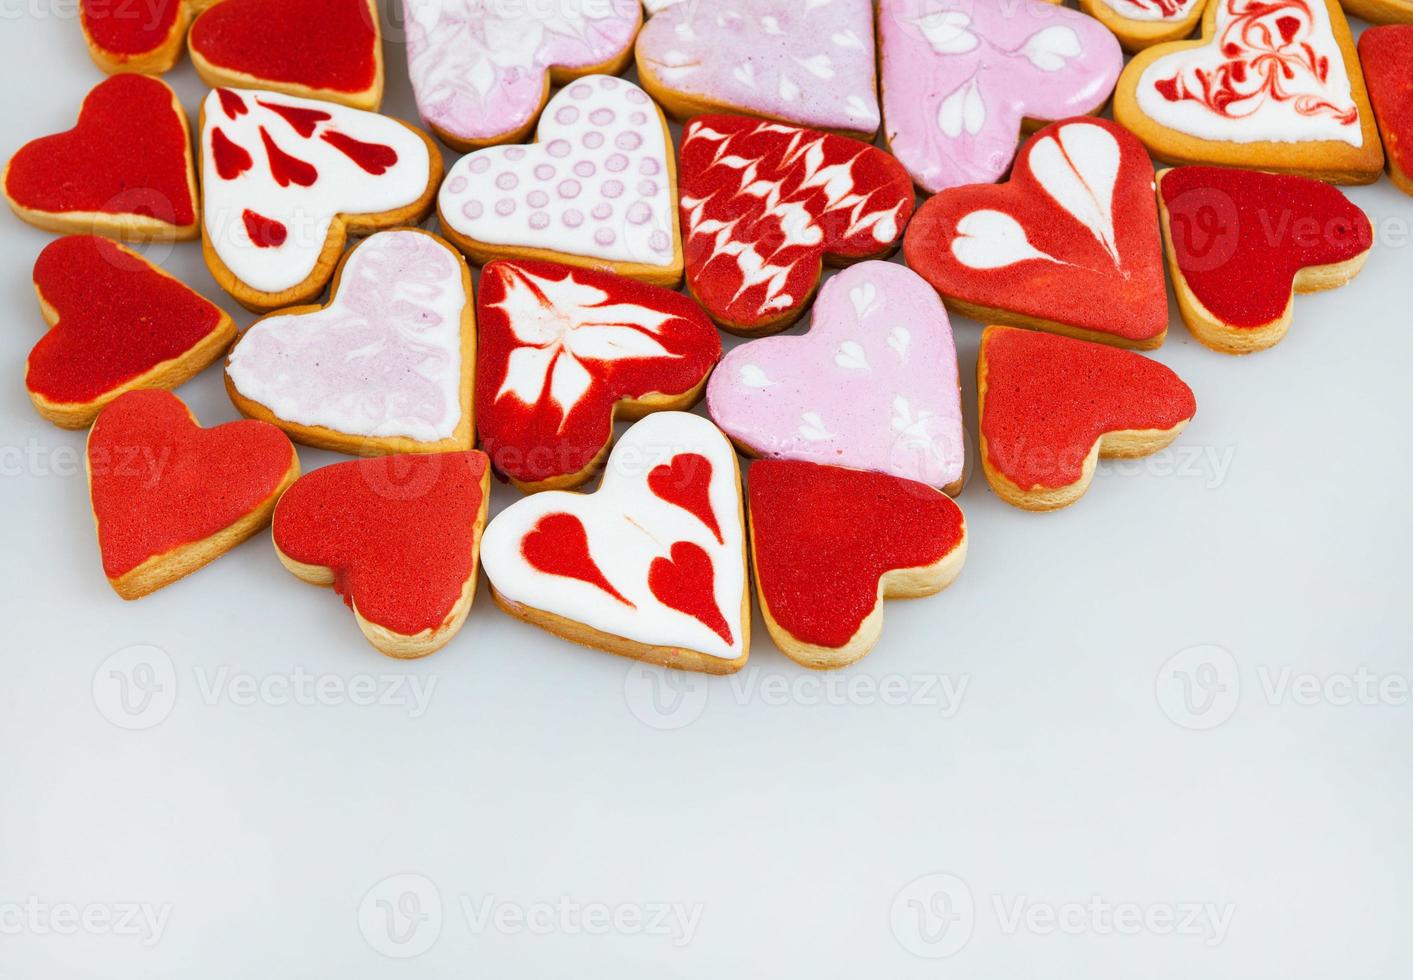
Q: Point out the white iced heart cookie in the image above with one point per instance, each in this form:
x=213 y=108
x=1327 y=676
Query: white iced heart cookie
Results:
x=598 y=189
x=651 y=566
x=385 y=367
x=284 y=179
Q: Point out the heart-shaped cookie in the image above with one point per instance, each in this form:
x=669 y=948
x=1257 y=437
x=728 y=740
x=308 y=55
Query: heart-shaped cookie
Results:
x=285 y=179
x=1242 y=243
x=117 y=322
x=170 y=496
x=481 y=72
x=828 y=545
x=1380 y=11
x=1387 y=57
x=387 y=366
x=764 y=204
x=125 y=170
x=397 y=537
x=1273 y=86
x=140 y=38
x=809 y=62
x=1051 y=406
x=598 y=190
x=1139 y=24
x=873 y=385
x=651 y=566
x=1070 y=244
x=564 y=351
x=323 y=49
x=960 y=77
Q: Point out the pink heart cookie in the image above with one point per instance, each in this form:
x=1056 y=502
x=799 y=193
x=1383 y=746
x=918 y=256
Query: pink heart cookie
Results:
x=598 y=189
x=872 y=386
x=959 y=78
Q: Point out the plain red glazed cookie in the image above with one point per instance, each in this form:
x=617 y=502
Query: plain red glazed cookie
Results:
x=1242 y=243
x=125 y=170
x=1051 y=406
x=170 y=496
x=1387 y=57
x=1070 y=244
x=828 y=545
x=117 y=322
x=397 y=536
x=142 y=37
x=764 y=204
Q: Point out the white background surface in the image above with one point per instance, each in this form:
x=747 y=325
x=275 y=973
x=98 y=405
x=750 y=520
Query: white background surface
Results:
x=788 y=812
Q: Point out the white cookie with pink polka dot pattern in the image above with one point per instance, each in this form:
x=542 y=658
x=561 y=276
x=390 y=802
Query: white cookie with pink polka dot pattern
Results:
x=597 y=189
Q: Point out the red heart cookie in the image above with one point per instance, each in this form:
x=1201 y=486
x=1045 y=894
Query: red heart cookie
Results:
x=563 y=351
x=763 y=204
x=1051 y=406
x=325 y=49
x=170 y=496
x=397 y=537
x=830 y=544
x=1242 y=243
x=1070 y=244
x=117 y=322
x=1387 y=56
x=125 y=170
x=142 y=37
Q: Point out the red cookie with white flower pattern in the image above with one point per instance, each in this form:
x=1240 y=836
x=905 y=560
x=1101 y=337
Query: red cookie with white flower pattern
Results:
x=764 y=205
x=397 y=537
x=1387 y=57
x=1051 y=406
x=169 y=496
x=1070 y=244
x=1242 y=243
x=565 y=351
x=828 y=545
x=117 y=322
x=125 y=170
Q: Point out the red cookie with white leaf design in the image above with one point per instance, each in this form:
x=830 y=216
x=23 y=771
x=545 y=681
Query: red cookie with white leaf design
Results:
x=651 y=566
x=828 y=545
x=397 y=537
x=125 y=170
x=1051 y=406
x=565 y=351
x=1070 y=244
x=1242 y=243
x=169 y=496
x=764 y=205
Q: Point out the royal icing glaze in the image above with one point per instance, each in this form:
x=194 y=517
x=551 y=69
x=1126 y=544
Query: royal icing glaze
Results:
x=383 y=359
x=598 y=183
x=959 y=77
x=1072 y=238
x=559 y=347
x=128 y=155
x=276 y=170
x=637 y=559
x=400 y=559
x=330 y=45
x=159 y=481
x=873 y=385
x=1049 y=399
x=763 y=203
x=118 y=318
x=802 y=61
x=479 y=68
x=823 y=537
x=1387 y=57
x=129 y=32
x=1152 y=10
x=1272 y=71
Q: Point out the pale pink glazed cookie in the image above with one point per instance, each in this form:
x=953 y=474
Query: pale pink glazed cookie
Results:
x=482 y=71
x=1141 y=23
x=872 y=386
x=959 y=79
x=809 y=62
